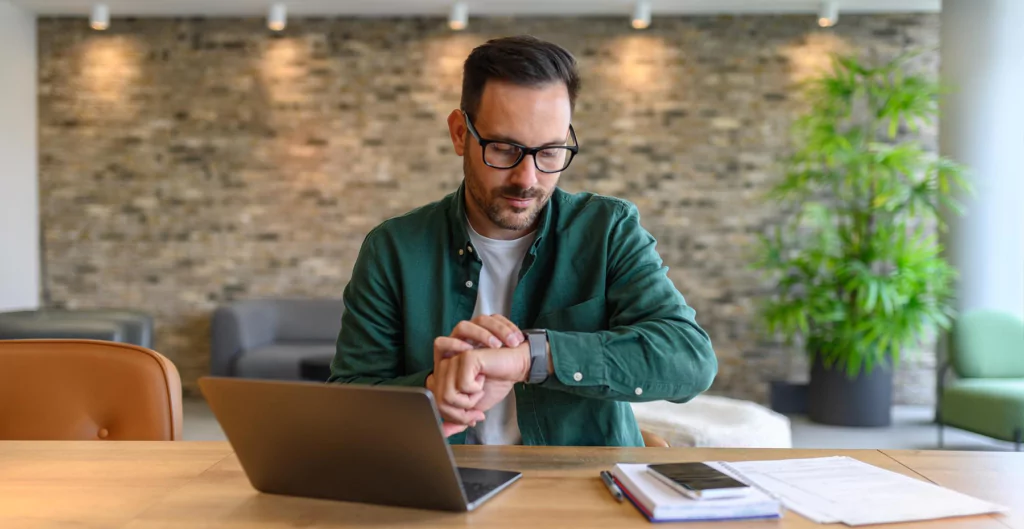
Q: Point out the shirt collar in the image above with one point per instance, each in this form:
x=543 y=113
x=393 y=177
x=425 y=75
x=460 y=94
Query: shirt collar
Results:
x=457 y=221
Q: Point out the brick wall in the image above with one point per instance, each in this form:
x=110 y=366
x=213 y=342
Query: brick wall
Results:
x=189 y=162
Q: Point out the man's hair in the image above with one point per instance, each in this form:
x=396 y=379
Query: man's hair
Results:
x=522 y=60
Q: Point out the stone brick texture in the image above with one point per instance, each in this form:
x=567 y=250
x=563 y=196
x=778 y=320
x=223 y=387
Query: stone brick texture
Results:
x=190 y=162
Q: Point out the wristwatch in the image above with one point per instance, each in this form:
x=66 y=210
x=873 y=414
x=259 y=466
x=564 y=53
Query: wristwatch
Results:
x=538 y=339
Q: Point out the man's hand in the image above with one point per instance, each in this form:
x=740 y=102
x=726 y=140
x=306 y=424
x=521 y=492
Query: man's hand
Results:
x=489 y=374
x=491 y=332
x=456 y=408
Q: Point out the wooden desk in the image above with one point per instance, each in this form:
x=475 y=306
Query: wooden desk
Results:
x=188 y=484
x=994 y=476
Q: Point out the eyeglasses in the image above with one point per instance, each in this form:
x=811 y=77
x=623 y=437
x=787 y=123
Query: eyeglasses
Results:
x=506 y=155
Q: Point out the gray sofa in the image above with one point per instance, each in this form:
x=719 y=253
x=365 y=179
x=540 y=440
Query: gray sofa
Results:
x=115 y=325
x=270 y=338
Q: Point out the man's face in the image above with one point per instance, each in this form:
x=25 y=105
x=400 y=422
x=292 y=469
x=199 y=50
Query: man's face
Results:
x=511 y=199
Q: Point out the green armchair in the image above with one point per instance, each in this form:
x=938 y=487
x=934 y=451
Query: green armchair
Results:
x=986 y=353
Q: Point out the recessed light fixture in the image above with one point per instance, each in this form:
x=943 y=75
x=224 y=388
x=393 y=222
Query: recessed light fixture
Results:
x=828 y=13
x=458 y=19
x=642 y=15
x=277 y=17
x=100 y=19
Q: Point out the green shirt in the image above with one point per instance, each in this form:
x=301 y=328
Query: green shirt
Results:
x=618 y=329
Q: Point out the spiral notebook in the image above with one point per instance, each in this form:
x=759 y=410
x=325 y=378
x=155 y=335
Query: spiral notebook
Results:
x=660 y=503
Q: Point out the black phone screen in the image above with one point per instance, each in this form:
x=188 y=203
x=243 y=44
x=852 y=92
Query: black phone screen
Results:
x=696 y=476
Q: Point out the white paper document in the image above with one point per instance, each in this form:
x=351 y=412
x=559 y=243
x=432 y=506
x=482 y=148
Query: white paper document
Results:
x=843 y=489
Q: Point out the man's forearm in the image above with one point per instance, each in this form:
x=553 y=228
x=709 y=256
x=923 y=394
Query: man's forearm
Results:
x=652 y=360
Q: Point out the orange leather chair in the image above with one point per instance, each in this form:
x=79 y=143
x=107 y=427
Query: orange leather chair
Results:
x=87 y=390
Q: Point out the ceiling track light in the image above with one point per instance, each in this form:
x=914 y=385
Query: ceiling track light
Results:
x=277 y=17
x=100 y=18
x=458 y=19
x=828 y=13
x=642 y=14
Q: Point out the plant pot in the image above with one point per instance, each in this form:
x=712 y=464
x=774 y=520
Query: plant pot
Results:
x=834 y=398
x=788 y=397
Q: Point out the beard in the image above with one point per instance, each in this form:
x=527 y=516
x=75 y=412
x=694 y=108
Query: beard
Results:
x=498 y=212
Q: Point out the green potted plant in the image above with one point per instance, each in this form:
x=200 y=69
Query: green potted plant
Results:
x=857 y=268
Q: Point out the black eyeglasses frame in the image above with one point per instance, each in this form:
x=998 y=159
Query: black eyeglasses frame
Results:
x=523 y=149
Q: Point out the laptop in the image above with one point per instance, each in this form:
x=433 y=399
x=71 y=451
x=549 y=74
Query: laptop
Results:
x=359 y=443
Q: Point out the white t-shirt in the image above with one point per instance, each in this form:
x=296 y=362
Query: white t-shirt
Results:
x=499 y=276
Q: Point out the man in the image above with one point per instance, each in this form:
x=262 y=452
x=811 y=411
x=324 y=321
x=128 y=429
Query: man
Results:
x=533 y=315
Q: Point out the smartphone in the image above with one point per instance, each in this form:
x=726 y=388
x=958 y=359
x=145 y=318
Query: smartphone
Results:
x=699 y=481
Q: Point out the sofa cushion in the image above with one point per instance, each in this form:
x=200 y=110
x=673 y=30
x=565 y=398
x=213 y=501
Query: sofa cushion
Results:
x=992 y=407
x=308 y=319
x=988 y=344
x=134 y=327
x=716 y=422
x=28 y=328
x=280 y=360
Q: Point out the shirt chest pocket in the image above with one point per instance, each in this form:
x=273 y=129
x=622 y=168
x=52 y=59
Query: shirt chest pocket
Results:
x=589 y=316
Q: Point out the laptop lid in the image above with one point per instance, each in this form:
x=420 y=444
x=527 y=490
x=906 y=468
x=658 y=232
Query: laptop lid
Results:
x=371 y=444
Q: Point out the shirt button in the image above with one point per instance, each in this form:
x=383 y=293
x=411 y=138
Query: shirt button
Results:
x=469 y=284
x=638 y=391
x=470 y=248
x=577 y=376
x=460 y=251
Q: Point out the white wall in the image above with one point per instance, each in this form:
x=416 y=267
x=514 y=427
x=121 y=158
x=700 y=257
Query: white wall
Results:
x=19 y=195
x=982 y=126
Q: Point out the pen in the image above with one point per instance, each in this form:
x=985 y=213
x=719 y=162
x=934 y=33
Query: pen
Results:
x=606 y=477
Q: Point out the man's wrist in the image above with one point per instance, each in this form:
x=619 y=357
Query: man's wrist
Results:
x=524 y=352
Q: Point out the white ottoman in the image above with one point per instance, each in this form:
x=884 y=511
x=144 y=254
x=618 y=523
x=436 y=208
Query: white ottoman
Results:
x=709 y=421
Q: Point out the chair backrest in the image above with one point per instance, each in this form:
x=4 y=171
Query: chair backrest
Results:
x=87 y=390
x=988 y=344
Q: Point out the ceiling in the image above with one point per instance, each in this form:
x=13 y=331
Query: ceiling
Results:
x=476 y=7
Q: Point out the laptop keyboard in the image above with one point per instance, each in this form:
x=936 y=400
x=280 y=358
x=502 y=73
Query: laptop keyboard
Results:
x=475 y=489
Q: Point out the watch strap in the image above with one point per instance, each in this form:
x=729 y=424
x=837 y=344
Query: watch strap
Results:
x=538 y=339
